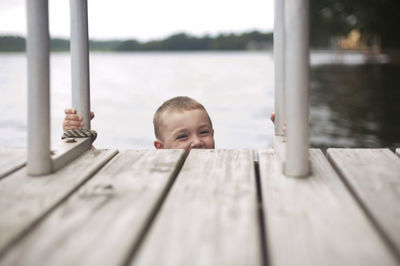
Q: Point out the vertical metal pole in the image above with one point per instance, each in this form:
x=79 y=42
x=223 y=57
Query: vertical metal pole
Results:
x=279 y=63
x=37 y=46
x=296 y=25
x=80 y=60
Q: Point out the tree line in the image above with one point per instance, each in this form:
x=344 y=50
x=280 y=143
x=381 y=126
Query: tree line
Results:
x=253 y=40
x=330 y=18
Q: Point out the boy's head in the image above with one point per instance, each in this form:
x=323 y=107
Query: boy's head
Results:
x=183 y=123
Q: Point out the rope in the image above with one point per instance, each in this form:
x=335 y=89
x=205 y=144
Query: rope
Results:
x=80 y=133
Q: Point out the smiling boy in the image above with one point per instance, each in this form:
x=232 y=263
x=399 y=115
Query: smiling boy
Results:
x=183 y=123
x=179 y=123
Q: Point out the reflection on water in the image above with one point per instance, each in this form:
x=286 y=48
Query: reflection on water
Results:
x=355 y=106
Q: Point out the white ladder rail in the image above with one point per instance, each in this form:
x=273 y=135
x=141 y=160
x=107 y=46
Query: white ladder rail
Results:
x=292 y=85
x=40 y=161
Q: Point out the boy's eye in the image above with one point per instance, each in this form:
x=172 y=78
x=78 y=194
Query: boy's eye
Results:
x=204 y=132
x=182 y=136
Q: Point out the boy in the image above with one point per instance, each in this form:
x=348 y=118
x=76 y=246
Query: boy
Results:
x=179 y=123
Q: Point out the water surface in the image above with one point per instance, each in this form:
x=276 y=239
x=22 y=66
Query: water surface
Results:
x=353 y=104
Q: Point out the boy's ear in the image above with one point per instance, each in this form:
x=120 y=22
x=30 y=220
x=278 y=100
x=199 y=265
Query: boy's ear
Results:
x=158 y=144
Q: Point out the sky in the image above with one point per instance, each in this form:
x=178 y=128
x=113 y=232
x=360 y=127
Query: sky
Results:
x=148 y=19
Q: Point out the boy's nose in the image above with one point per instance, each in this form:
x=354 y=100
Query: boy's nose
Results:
x=196 y=143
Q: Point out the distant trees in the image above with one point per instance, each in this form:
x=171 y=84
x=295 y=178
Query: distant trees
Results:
x=337 y=17
x=186 y=42
x=12 y=44
x=176 y=42
x=17 y=44
x=108 y=45
x=328 y=18
x=59 y=44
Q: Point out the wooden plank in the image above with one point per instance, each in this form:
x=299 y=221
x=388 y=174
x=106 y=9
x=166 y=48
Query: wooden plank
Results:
x=65 y=152
x=25 y=200
x=210 y=215
x=11 y=160
x=374 y=177
x=103 y=221
x=315 y=220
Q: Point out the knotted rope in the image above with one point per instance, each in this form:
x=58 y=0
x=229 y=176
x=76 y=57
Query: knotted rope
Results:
x=80 y=133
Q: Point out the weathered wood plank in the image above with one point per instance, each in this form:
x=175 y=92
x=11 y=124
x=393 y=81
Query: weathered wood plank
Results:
x=25 y=200
x=315 y=220
x=374 y=177
x=11 y=160
x=102 y=222
x=209 y=216
x=65 y=152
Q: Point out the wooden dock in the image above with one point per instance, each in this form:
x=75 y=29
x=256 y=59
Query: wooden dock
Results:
x=216 y=207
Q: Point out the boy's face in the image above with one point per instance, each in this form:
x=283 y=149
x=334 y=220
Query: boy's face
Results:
x=186 y=130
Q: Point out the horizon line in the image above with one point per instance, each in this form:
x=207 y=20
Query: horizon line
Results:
x=212 y=35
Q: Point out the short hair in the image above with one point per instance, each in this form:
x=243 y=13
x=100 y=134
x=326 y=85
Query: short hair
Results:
x=176 y=104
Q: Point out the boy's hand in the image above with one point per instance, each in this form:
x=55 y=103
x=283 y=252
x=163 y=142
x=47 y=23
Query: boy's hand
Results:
x=272 y=117
x=73 y=120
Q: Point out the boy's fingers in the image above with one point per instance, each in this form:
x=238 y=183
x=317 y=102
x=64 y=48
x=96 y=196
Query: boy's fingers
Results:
x=73 y=117
x=70 y=111
x=72 y=123
x=70 y=127
x=272 y=117
x=72 y=120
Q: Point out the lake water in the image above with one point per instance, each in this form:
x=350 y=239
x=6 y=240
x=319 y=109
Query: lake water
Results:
x=352 y=104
